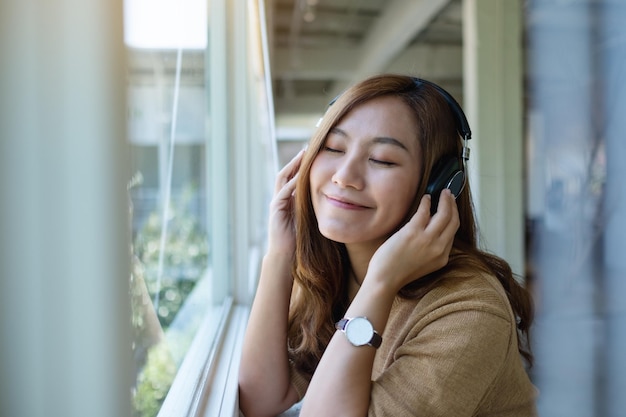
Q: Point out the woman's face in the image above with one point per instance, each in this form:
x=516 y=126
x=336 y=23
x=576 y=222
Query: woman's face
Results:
x=365 y=178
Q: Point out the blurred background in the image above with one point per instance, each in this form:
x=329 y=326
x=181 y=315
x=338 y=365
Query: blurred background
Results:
x=544 y=86
x=138 y=144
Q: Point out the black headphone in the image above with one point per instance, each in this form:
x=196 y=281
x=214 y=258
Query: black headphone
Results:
x=449 y=171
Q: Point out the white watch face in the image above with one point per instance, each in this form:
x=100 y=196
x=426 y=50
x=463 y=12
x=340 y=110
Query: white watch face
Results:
x=359 y=331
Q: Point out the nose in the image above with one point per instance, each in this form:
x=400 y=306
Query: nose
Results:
x=349 y=174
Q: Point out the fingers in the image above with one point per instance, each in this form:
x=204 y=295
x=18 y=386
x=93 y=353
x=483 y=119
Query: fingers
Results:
x=446 y=221
x=287 y=189
x=288 y=172
x=423 y=245
x=447 y=206
x=422 y=216
x=441 y=228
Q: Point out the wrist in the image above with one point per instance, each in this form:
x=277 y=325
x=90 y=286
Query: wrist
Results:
x=374 y=301
x=279 y=257
x=359 y=331
x=277 y=267
x=380 y=287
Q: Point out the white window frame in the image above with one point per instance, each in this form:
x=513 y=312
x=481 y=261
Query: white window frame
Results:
x=65 y=213
x=207 y=381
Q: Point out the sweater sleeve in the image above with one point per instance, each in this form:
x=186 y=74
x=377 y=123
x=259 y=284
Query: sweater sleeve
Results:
x=444 y=369
x=299 y=381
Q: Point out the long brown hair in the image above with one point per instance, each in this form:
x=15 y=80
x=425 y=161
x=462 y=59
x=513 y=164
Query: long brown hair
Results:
x=321 y=265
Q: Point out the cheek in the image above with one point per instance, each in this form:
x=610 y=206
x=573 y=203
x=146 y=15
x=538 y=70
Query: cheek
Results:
x=318 y=172
x=316 y=179
x=401 y=197
x=314 y=174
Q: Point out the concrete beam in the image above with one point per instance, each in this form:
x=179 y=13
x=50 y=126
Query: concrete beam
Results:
x=436 y=61
x=402 y=22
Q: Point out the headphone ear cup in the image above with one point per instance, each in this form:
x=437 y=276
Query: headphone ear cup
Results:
x=447 y=173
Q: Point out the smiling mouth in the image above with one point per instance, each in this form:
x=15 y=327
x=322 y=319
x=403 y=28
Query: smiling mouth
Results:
x=346 y=204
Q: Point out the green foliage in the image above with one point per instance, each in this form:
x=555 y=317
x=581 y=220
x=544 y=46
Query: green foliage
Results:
x=185 y=257
x=185 y=260
x=154 y=381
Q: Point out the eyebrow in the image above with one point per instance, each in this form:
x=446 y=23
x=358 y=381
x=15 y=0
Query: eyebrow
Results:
x=386 y=140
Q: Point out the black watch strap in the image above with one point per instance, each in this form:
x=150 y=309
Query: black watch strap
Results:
x=341 y=324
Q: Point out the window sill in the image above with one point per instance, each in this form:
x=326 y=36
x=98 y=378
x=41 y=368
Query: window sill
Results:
x=206 y=383
x=221 y=391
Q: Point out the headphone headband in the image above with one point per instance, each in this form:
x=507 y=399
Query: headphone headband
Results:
x=461 y=121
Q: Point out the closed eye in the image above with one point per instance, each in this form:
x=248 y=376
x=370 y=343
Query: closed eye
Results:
x=332 y=150
x=381 y=162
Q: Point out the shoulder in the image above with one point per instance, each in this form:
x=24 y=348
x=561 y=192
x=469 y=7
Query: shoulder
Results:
x=479 y=291
x=459 y=338
x=474 y=302
x=464 y=320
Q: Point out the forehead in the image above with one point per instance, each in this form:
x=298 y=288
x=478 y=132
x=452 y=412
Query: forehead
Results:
x=387 y=116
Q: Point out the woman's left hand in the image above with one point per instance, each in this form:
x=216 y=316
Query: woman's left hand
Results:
x=420 y=247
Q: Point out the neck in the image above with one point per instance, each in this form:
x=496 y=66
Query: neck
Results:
x=360 y=255
x=353 y=286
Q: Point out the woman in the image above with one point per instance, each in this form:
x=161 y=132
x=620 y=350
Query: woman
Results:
x=367 y=303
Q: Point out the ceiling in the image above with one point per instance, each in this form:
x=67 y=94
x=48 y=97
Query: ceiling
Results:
x=319 y=47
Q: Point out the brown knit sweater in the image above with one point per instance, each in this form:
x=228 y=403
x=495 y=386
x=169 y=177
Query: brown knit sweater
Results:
x=451 y=353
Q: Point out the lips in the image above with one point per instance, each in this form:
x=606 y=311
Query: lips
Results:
x=346 y=203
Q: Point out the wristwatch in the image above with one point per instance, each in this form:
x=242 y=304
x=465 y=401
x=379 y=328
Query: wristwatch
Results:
x=359 y=331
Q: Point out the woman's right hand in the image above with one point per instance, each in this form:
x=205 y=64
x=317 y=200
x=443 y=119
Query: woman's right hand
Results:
x=264 y=354
x=281 y=226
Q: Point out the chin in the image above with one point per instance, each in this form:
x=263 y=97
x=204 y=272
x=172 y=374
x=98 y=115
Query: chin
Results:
x=335 y=235
x=344 y=236
x=331 y=236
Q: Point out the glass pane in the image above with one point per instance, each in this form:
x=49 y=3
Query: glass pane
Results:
x=576 y=201
x=168 y=192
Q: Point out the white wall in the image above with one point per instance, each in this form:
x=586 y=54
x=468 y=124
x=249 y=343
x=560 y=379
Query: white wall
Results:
x=64 y=320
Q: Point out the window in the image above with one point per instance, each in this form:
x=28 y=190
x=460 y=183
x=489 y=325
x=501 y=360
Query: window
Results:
x=194 y=238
